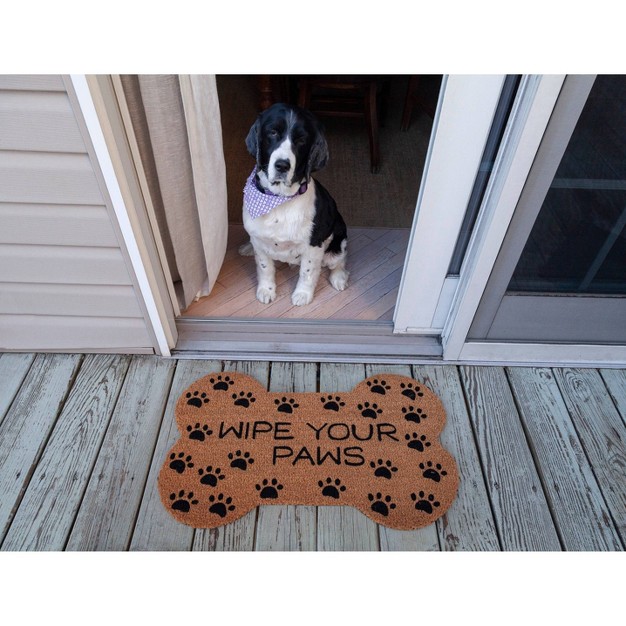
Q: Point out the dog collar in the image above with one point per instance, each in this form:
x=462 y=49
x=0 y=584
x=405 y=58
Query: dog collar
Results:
x=260 y=201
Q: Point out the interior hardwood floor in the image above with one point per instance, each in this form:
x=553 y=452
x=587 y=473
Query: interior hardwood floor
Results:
x=375 y=262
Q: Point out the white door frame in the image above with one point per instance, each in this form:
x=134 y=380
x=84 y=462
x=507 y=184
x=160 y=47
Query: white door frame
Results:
x=465 y=112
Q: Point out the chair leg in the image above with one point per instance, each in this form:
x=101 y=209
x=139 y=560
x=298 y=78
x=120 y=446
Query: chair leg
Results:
x=408 y=102
x=371 y=112
x=383 y=103
x=266 y=93
x=304 y=93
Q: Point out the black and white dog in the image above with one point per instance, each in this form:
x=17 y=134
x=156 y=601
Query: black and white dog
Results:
x=290 y=216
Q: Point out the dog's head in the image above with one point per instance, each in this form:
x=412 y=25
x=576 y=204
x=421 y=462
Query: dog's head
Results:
x=289 y=145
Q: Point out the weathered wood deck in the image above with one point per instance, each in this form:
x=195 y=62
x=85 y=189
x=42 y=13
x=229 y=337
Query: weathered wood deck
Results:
x=541 y=454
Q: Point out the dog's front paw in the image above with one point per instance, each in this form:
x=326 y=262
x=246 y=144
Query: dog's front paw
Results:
x=339 y=279
x=265 y=295
x=300 y=298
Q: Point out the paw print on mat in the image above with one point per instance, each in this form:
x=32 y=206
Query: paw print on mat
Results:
x=383 y=469
x=432 y=471
x=331 y=488
x=381 y=504
x=199 y=433
x=417 y=442
x=210 y=476
x=240 y=460
x=369 y=410
x=423 y=502
x=332 y=403
x=197 y=399
x=411 y=414
x=219 y=505
x=269 y=489
x=378 y=386
x=286 y=405
x=221 y=383
x=243 y=399
x=178 y=462
x=411 y=391
x=182 y=502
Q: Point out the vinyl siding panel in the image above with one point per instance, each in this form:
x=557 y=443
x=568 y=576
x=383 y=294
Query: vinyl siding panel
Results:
x=34 y=82
x=48 y=177
x=57 y=225
x=73 y=334
x=61 y=264
x=56 y=299
x=65 y=280
x=36 y=121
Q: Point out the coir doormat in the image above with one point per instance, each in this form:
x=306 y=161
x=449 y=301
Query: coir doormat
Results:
x=375 y=448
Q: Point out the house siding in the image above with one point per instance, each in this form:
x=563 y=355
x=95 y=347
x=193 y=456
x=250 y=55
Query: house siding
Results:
x=66 y=283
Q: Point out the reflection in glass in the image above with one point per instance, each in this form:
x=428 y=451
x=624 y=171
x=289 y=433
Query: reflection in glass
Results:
x=578 y=243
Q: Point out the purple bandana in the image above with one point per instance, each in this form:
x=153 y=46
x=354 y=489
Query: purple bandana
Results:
x=262 y=202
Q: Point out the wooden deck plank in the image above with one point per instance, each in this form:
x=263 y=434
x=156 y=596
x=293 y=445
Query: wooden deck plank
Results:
x=238 y=535
x=422 y=539
x=520 y=507
x=107 y=514
x=581 y=516
x=47 y=510
x=288 y=527
x=602 y=434
x=469 y=524
x=70 y=453
x=155 y=528
x=13 y=371
x=25 y=429
x=615 y=381
x=343 y=527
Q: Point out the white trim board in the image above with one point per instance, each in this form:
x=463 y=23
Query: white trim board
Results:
x=96 y=134
x=542 y=354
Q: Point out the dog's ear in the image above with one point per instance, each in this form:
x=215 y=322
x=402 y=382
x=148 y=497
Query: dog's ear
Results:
x=252 y=140
x=318 y=157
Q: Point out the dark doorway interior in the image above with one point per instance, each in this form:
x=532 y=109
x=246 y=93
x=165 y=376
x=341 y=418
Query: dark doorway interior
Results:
x=386 y=199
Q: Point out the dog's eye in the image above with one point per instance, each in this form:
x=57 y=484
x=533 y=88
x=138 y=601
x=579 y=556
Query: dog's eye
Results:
x=300 y=141
x=272 y=132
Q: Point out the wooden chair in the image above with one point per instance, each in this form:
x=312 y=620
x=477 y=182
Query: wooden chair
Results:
x=345 y=96
x=413 y=98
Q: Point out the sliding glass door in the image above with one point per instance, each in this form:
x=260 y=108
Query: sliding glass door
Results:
x=561 y=272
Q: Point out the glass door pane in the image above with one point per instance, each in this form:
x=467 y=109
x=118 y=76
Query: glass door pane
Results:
x=578 y=243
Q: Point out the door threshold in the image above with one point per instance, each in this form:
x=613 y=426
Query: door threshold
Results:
x=349 y=341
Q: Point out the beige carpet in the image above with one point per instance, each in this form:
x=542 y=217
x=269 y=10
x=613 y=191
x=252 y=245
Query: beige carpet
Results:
x=386 y=199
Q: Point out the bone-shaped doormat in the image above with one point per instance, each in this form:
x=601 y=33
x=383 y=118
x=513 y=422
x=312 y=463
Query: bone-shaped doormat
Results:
x=375 y=448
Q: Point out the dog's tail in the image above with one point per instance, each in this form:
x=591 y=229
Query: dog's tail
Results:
x=246 y=249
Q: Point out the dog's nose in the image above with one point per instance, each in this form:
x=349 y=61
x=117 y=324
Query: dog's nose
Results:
x=282 y=165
